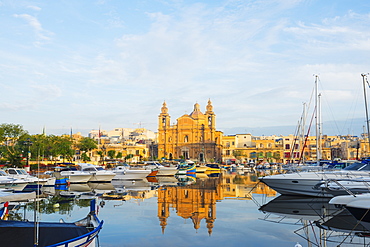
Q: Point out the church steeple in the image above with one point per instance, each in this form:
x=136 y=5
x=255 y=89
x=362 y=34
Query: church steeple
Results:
x=209 y=107
x=164 y=108
x=164 y=118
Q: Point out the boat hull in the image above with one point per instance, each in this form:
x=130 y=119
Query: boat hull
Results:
x=306 y=183
x=132 y=175
x=99 y=178
x=78 y=178
x=167 y=171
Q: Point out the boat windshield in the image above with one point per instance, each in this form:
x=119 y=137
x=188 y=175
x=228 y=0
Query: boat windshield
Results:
x=22 y=172
x=99 y=168
x=358 y=167
x=2 y=173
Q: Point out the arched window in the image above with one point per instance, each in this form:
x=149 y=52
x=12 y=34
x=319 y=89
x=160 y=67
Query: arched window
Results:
x=186 y=139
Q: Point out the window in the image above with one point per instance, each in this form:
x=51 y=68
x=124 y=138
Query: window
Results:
x=186 y=139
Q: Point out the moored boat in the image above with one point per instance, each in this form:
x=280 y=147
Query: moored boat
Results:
x=213 y=167
x=187 y=167
x=34 y=183
x=310 y=183
x=99 y=174
x=71 y=175
x=201 y=168
x=7 y=182
x=125 y=172
x=80 y=233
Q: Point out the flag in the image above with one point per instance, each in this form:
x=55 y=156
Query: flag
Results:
x=5 y=211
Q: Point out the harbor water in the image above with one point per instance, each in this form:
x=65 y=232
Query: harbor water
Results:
x=231 y=208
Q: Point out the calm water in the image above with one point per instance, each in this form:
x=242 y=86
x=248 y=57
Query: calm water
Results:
x=202 y=211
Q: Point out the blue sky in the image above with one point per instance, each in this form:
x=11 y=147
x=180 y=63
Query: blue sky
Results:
x=84 y=64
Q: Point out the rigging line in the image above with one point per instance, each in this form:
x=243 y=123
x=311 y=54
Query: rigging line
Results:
x=358 y=222
x=308 y=132
x=352 y=109
x=329 y=108
x=296 y=133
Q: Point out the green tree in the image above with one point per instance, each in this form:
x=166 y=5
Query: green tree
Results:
x=86 y=144
x=237 y=154
x=111 y=154
x=119 y=155
x=129 y=156
x=56 y=146
x=84 y=157
x=13 y=149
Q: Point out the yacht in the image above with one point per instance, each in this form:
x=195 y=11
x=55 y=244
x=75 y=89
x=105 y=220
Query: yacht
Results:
x=99 y=174
x=358 y=206
x=33 y=182
x=168 y=170
x=71 y=175
x=7 y=182
x=309 y=183
x=347 y=187
x=125 y=172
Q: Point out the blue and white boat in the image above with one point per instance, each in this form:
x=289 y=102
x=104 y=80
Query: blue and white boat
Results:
x=54 y=234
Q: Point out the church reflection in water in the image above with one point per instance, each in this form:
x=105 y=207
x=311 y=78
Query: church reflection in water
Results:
x=197 y=201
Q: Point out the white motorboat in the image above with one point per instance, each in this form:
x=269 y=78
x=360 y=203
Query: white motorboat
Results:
x=72 y=175
x=358 y=206
x=33 y=182
x=99 y=174
x=125 y=172
x=309 y=183
x=7 y=182
x=347 y=187
x=163 y=170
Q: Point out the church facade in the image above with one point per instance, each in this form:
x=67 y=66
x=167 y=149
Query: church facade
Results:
x=193 y=137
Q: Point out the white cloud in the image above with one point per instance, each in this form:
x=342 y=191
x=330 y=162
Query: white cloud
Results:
x=34 y=23
x=34 y=8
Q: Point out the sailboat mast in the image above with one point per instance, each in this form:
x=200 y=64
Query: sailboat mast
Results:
x=303 y=133
x=317 y=121
x=364 y=77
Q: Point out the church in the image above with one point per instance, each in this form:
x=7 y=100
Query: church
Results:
x=193 y=137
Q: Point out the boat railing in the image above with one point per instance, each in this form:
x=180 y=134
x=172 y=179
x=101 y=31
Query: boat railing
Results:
x=89 y=237
x=326 y=185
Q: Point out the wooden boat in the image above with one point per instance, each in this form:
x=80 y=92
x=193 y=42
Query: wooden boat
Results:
x=201 y=168
x=213 y=167
x=80 y=233
x=187 y=167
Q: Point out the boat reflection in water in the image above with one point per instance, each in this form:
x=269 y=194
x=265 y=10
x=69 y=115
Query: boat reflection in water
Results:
x=219 y=209
x=316 y=217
